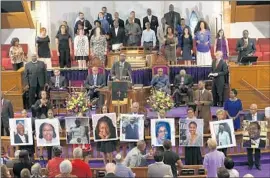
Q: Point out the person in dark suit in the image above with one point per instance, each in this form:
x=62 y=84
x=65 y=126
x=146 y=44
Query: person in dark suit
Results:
x=132 y=129
x=135 y=20
x=93 y=82
x=121 y=69
x=120 y=21
x=172 y=18
x=117 y=34
x=20 y=137
x=86 y=24
x=6 y=113
x=245 y=46
x=254 y=134
x=58 y=81
x=218 y=73
x=153 y=20
x=183 y=83
x=107 y=15
x=35 y=78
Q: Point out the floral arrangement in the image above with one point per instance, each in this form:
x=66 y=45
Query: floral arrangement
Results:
x=78 y=103
x=160 y=101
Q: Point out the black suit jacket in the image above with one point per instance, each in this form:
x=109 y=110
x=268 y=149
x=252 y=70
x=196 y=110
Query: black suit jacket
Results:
x=260 y=117
x=153 y=23
x=89 y=82
x=247 y=144
x=132 y=133
x=17 y=138
x=121 y=23
x=62 y=82
x=119 y=37
x=172 y=19
x=34 y=75
x=7 y=112
x=222 y=70
x=137 y=21
x=188 y=80
x=39 y=111
x=87 y=25
x=250 y=49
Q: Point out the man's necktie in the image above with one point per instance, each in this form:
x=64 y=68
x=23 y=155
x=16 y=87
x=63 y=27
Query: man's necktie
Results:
x=57 y=82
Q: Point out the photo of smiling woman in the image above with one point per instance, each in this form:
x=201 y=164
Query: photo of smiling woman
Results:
x=161 y=130
x=105 y=130
x=194 y=136
x=47 y=132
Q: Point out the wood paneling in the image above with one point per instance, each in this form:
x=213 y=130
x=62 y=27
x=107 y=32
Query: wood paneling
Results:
x=249 y=13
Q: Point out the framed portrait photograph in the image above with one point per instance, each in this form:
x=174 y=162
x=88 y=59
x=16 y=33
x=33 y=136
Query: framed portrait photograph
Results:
x=21 y=131
x=162 y=129
x=47 y=132
x=191 y=132
x=131 y=127
x=223 y=132
x=255 y=134
x=77 y=130
x=104 y=127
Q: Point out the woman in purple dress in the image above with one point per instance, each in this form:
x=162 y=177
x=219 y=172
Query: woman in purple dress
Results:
x=202 y=38
x=221 y=44
x=233 y=106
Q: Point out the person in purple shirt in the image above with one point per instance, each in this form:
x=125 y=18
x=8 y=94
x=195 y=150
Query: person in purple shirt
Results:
x=214 y=159
x=221 y=44
x=202 y=38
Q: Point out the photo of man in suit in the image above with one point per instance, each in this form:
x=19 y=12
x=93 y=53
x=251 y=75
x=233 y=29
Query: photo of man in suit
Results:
x=218 y=73
x=132 y=129
x=6 y=113
x=121 y=69
x=172 y=18
x=20 y=137
x=183 y=85
x=245 y=46
x=93 y=82
x=153 y=20
x=35 y=78
x=57 y=81
x=255 y=141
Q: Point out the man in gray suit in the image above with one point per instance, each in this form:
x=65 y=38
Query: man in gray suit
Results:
x=35 y=78
x=159 y=169
x=245 y=46
x=121 y=69
x=218 y=74
x=6 y=114
x=93 y=82
x=58 y=81
x=172 y=18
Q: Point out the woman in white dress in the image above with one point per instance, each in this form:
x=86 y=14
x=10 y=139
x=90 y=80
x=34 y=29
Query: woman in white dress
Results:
x=81 y=49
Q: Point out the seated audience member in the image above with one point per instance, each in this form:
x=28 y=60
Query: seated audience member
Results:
x=24 y=163
x=36 y=171
x=133 y=32
x=79 y=167
x=42 y=106
x=233 y=106
x=25 y=173
x=171 y=158
x=5 y=172
x=245 y=46
x=52 y=167
x=65 y=170
x=86 y=24
x=148 y=40
x=135 y=157
x=214 y=159
x=117 y=34
x=229 y=164
x=121 y=170
x=121 y=69
x=110 y=170
x=248 y=176
x=57 y=81
x=120 y=21
x=159 y=169
x=93 y=82
x=161 y=81
x=253 y=115
x=183 y=85
x=223 y=173
x=16 y=54
x=10 y=163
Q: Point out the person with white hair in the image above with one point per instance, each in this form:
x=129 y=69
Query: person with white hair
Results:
x=110 y=170
x=65 y=170
x=80 y=168
x=121 y=170
x=248 y=176
x=36 y=171
x=10 y=163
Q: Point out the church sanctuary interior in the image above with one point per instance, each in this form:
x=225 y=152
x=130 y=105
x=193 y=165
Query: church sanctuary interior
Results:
x=135 y=89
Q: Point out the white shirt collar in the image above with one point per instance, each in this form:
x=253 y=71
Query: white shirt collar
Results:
x=22 y=138
x=254 y=116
